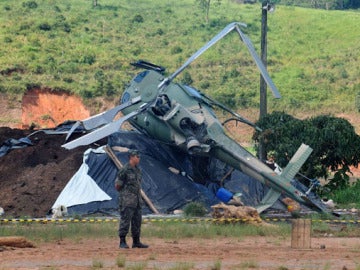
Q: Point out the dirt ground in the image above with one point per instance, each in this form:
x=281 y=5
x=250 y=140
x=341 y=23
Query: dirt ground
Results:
x=230 y=253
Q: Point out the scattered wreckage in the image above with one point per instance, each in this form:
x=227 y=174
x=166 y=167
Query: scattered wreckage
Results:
x=181 y=116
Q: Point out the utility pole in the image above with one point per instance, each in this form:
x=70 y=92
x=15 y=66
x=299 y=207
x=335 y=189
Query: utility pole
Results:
x=263 y=87
x=265 y=7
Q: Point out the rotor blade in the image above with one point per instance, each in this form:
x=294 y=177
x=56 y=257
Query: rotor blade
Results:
x=100 y=133
x=220 y=35
x=102 y=118
x=259 y=63
x=215 y=39
x=107 y=116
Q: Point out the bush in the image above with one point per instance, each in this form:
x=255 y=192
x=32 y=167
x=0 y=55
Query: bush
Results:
x=30 y=4
x=176 y=50
x=187 y=79
x=195 y=209
x=335 y=144
x=138 y=19
x=159 y=31
x=347 y=196
x=45 y=27
x=87 y=59
x=8 y=40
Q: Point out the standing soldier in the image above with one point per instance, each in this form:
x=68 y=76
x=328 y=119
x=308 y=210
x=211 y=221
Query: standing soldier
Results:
x=128 y=183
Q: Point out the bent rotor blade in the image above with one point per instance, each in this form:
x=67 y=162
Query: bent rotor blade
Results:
x=108 y=116
x=215 y=39
x=230 y=27
x=102 y=118
x=259 y=63
x=100 y=133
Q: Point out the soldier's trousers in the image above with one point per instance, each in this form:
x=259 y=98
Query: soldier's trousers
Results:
x=130 y=216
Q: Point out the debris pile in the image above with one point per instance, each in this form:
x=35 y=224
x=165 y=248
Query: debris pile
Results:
x=246 y=213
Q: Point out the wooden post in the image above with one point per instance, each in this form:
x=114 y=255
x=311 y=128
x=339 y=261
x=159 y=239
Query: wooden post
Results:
x=118 y=164
x=301 y=233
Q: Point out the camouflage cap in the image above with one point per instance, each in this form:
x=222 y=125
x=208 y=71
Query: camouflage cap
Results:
x=133 y=152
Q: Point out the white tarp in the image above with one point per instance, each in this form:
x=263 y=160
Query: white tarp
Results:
x=81 y=188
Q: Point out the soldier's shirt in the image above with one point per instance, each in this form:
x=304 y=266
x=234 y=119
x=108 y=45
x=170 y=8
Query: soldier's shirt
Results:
x=129 y=179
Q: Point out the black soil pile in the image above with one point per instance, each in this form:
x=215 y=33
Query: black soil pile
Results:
x=31 y=178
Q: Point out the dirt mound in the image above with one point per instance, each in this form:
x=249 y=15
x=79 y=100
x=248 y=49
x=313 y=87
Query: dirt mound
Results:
x=32 y=177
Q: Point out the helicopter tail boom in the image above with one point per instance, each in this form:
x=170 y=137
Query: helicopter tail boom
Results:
x=287 y=174
x=239 y=158
x=296 y=162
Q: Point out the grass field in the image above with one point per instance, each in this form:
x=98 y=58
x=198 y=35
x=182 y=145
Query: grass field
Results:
x=313 y=54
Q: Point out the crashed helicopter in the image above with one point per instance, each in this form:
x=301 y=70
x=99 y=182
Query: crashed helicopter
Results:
x=180 y=115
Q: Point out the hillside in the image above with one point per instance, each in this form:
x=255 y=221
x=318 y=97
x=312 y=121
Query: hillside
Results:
x=85 y=50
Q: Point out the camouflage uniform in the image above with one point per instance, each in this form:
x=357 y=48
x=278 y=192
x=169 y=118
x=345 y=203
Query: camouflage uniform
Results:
x=130 y=202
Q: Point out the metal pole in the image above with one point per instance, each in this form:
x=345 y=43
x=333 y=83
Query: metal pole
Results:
x=263 y=88
x=263 y=96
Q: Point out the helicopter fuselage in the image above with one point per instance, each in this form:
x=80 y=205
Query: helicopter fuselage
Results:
x=179 y=115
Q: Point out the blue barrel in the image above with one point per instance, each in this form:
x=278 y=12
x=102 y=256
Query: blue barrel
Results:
x=224 y=195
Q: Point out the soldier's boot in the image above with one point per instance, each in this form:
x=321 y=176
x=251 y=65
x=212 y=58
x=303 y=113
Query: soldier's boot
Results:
x=138 y=244
x=123 y=242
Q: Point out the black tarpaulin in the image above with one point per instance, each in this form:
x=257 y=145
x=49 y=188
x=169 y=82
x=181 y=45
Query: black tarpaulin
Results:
x=167 y=190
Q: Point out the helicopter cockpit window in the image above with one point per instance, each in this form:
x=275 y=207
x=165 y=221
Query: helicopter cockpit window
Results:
x=162 y=105
x=141 y=76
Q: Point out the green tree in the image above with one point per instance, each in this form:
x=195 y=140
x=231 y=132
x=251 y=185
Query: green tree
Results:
x=335 y=144
x=205 y=6
x=323 y=4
